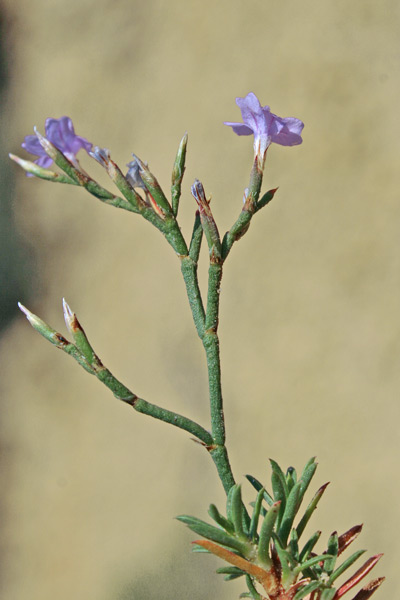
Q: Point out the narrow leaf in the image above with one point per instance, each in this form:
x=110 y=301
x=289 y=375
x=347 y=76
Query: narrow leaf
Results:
x=310 y=509
x=369 y=589
x=294 y=544
x=311 y=562
x=348 y=537
x=358 y=575
x=308 y=547
x=283 y=492
x=287 y=574
x=253 y=592
x=256 y=515
x=307 y=475
x=328 y=594
x=333 y=549
x=289 y=513
x=237 y=510
x=230 y=571
x=266 y=578
x=257 y=486
x=266 y=533
x=307 y=589
x=345 y=565
x=213 y=533
x=220 y=519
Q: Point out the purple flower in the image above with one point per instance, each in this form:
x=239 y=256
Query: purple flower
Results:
x=265 y=126
x=61 y=133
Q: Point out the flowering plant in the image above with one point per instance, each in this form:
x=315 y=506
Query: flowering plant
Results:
x=264 y=545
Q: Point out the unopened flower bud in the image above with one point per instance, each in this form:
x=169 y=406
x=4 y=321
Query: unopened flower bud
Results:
x=207 y=221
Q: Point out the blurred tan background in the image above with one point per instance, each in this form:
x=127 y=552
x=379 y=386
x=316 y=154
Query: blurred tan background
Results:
x=310 y=299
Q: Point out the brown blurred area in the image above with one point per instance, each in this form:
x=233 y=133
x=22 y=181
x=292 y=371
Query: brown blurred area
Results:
x=310 y=298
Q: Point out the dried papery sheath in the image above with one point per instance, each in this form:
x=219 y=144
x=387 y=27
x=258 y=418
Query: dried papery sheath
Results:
x=102 y=155
x=133 y=174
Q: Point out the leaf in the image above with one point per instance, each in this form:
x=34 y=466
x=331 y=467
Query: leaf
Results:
x=333 y=549
x=220 y=519
x=257 y=485
x=348 y=537
x=308 y=547
x=310 y=509
x=213 y=533
x=311 y=562
x=367 y=591
x=256 y=515
x=290 y=512
x=307 y=589
x=266 y=533
x=294 y=545
x=345 y=565
x=358 y=575
x=266 y=578
x=237 y=512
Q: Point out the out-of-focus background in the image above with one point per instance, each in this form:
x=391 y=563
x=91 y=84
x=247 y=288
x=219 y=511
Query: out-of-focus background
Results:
x=310 y=299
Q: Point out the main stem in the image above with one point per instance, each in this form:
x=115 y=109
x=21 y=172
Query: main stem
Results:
x=206 y=323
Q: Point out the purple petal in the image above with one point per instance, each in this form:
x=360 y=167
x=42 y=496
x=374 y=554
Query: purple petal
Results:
x=32 y=145
x=287 y=131
x=257 y=118
x=62 y=134
x=265 y=126
x=239 y=128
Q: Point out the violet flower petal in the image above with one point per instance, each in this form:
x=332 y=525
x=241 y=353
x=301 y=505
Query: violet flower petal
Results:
x=61 y=133
x=265 y=126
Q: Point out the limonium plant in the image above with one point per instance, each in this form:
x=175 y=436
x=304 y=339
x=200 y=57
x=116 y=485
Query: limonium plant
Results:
x=263 y=543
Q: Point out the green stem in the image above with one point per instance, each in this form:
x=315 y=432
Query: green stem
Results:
x=142 y=406
x=211 y=346
x=189 y=272
x=168 y=416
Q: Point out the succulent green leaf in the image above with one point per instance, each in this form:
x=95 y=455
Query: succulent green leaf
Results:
x=256 y=515
x=307 y=475
x=237 y=510
x=253 y=592
x=285 y=559
x=230 y=571
x=311 y=562
x=265 y=199
x=310 y=509
x=289 y=512
x=294 y=545
x=308 y=547
x=282 y=489
x=257 y=486
x=345 y=565
x=332 y=549
x=327 y=594
x=213 y=533
x=220 y=519
x=307 y=589
x=266 y=534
